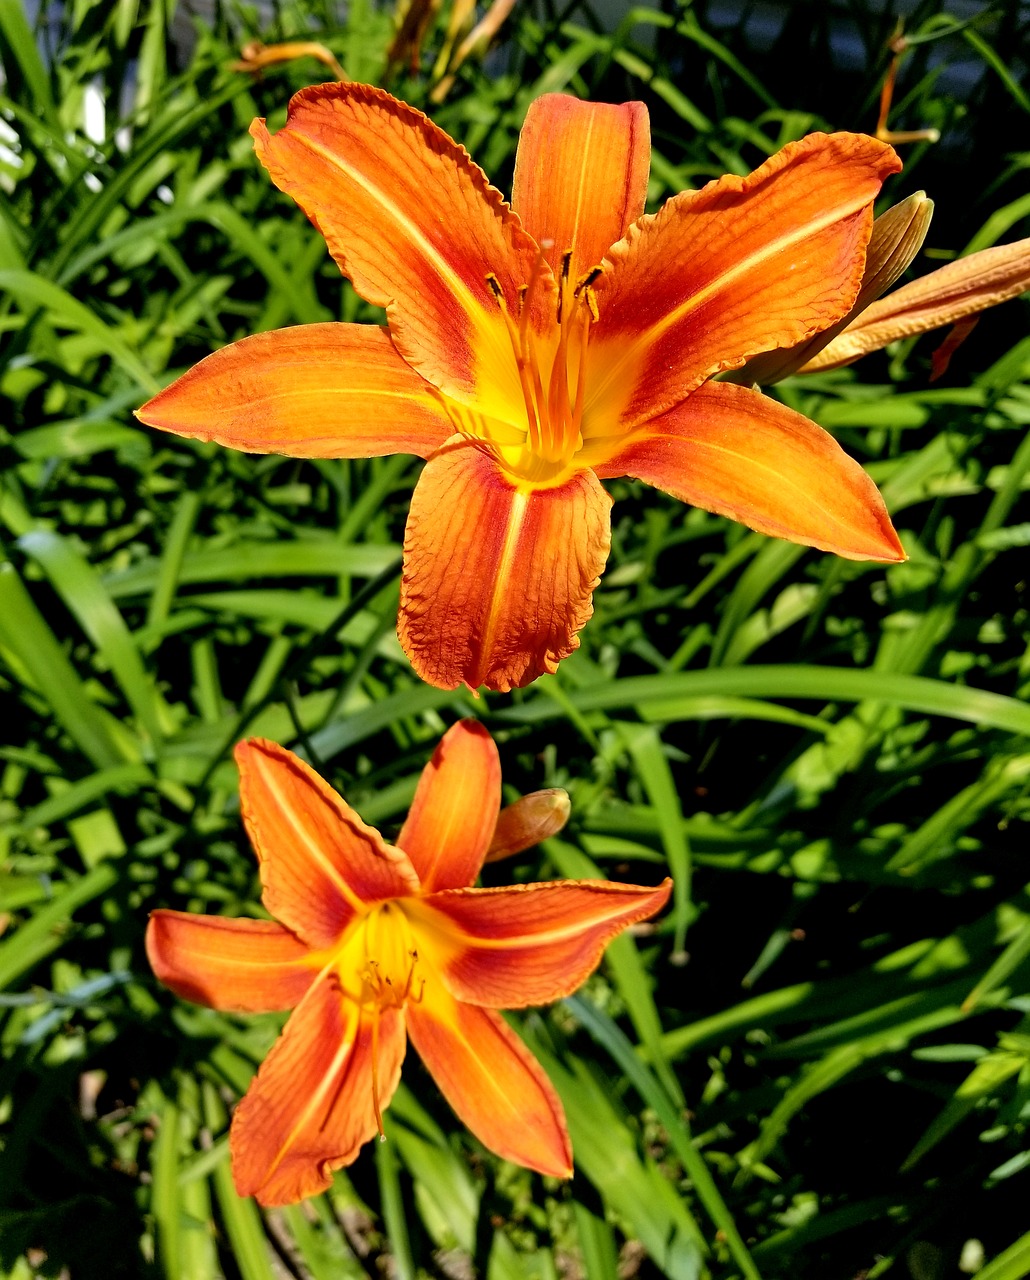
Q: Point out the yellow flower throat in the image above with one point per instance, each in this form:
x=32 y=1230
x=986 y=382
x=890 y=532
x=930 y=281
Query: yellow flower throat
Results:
x=553 y=403
x=385 y=961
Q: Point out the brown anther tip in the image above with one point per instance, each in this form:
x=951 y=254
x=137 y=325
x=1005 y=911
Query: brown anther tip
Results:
x=494 y=285
x=586 y=281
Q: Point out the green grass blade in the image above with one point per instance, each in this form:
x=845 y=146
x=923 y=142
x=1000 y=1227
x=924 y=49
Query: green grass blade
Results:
x=42 y=934
x=615 y=1043
x=20 y=40
x=1013 y=1264
x=79 y=586
x=25 y=634
x=394 y=1213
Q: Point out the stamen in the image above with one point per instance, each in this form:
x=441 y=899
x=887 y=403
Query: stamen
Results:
x=584 y=282
x=529 y=377
x=581 y=372
x=515 y=337
x=411 y=973
x=558 y=407
x=527 y=292
x=375 y=1073
x=554 y=413
x=566 y=264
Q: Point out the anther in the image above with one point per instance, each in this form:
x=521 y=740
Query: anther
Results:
x=586 y=281
x=494 y=286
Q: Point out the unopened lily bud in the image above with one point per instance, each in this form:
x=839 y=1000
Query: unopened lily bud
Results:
x=255 y=57
x=946 y=296
x=529 y=820
x=897 y=237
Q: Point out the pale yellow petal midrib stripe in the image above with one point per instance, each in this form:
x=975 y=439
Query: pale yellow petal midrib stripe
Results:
x=543 y=938
x=304 y=837
x=584 y=165
x=650 y=335
x=329 y=1076
x=217 y=959
x=753 y=261
x=499 y=594
x=437 y=260
x=785 y=480
x=357 y=393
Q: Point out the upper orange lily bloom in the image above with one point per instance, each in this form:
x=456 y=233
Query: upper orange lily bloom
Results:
x=538 y=348
x=376 y=943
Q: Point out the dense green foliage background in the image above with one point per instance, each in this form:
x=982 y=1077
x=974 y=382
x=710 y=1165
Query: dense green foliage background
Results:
x=818 y=1064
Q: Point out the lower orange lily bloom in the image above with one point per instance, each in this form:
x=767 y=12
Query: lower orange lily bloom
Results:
x=377 y=943
x=538 y=348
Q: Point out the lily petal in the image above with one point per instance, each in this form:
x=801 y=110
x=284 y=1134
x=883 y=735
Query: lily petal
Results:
x=897 y=237
x=742 y=266
x=453 y=815
x=498 y=576
x=311 y=391
x=311 y=1105
x=494 y=1084
x=945 y=296
x=734 y=451
x=581 y=176
x=531 y=818
x=417 y=228
x=247 y=966
x=320 y=864
x=529 y=944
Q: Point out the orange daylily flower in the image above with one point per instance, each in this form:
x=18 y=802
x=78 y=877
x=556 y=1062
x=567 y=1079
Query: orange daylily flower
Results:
x=536 y=349
x=376 y=943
